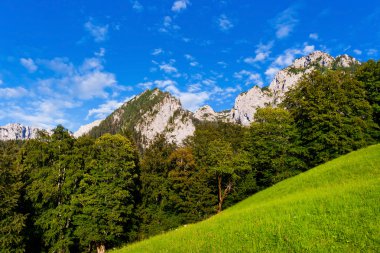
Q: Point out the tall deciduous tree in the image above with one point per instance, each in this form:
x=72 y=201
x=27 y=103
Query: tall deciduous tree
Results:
x=332 y=113
x=12 y=221
x=154 y=211
x=51 y=170
x=369 y=74
x=226 y=164
x=190 y=196
x=273 y=146
x=106 y=197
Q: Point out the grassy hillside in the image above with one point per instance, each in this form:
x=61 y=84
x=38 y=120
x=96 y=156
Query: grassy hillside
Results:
x=334 y=207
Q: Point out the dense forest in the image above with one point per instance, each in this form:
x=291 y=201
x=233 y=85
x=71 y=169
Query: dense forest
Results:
x=61 y=194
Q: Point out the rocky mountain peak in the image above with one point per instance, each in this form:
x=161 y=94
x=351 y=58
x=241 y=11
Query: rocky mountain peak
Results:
x=247 y=103
x=147 y=115
x=205 y=113
x=345 y=61
x=315 y=58
x=16 y=131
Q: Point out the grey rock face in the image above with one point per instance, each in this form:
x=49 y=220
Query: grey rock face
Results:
x=15 y=131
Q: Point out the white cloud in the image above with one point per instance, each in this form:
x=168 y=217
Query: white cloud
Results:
x=249 y=78
x=12 y=93
x=86 y=81
x=357 y=51
x=100 y=53
x=164 y=83
x=372 y=51
x=189 y=57
x=222 y=64
x=224 y=23
x=104 y=110
x=137 y=6
x=308 y=49
x=285 y=22
x=145 y=85
x=98 y=32
x=168 y=25
x=180 y=5
x=194 y=87
x=93 y=84
x=59 y=65
x=1 y=82
x=157 y=51
x=192 y=60
x=91 y=64
x=168 y=68
x=52 y=99
x=190 y=100
x=208 y=82
x=271 y=72
x=29 y=64
x=262 y=53
x=313 y=36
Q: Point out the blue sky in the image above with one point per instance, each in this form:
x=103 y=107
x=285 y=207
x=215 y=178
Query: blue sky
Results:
x=71 y=62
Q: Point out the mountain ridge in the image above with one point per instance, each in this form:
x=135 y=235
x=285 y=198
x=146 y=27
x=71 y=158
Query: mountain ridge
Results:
x=155 y=112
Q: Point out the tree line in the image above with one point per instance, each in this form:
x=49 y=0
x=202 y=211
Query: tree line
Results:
x=60 y=194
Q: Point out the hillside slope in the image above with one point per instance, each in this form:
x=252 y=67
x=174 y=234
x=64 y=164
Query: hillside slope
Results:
x=331 y=208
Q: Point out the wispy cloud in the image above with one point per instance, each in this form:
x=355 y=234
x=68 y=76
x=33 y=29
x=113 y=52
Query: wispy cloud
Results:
x=12 y=93
x=357 y=51
x=224 y=23
x=191 y=59
x=372 y=52
x=104 y=110
x=98 y=32
x=249 y=77
x=100 y=53
x=168 y=68
x=29 y=64
x=180 y=5
x=313 y=36
x=285 y=22
x=137 y=6
x=262 y=53
x=157 y=51
x=168 y=25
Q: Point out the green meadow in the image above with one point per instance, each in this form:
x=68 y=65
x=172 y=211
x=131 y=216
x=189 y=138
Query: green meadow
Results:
x=334 y=207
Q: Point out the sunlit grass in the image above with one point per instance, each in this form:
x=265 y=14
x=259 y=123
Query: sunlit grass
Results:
x=334 y=207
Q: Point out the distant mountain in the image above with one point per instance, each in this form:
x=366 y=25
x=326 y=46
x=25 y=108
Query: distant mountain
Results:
x=15 y=131
x=155 y=112
x=86 y=128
